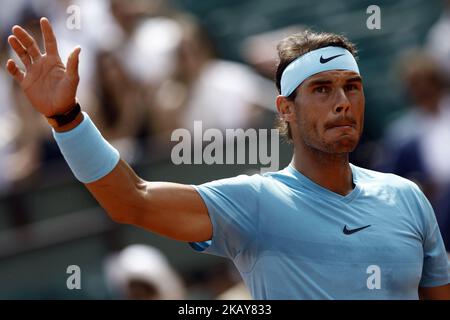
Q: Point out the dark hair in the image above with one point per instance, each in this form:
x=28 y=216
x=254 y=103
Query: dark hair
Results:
x=296 y=45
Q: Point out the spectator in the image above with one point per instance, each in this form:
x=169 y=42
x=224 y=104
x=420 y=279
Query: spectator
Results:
x=141 y=272
x=437 y=40
x=222 y=94
x=416 y=143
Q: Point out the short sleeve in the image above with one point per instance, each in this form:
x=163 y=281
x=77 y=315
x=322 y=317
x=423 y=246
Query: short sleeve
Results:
x=233 y=209
x=435 y=271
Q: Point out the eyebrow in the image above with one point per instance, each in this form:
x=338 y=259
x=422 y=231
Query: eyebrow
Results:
x=319 y=82
x=354 y=79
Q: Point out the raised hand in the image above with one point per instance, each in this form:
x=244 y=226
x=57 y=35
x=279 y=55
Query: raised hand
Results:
x=49 y=85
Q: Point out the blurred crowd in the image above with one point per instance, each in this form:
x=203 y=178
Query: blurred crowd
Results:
x=147 y=69
x=143 y=272
x=416 y=144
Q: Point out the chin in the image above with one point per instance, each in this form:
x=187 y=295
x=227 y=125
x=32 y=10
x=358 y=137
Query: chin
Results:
x=343 y=145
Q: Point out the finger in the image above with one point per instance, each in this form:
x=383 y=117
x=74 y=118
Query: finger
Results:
x=27 y=41
x=20 y=51
x=13 y=70
x=51 y=47
x=72 y=63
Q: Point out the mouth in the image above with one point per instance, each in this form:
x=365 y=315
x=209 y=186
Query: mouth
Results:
x=343 y=125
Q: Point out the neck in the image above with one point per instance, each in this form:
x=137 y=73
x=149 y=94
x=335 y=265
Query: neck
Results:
x=331 y=171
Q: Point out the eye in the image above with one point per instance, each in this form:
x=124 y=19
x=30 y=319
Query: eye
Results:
x=351 y=87
x=322 y=89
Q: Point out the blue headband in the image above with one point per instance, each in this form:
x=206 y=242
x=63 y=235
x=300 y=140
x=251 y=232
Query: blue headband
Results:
x=323 y=59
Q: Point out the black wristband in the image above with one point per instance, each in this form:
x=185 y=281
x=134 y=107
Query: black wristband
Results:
x=65 y=118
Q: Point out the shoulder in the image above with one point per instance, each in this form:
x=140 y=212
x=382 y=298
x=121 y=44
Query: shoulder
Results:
x=240 y=184
x=403 y=194
x=251 y=182
x=389 y=180
x=396 y=186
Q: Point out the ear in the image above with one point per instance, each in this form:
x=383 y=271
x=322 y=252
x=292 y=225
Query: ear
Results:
x=286 y=108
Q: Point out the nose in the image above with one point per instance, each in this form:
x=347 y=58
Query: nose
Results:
x=342 y=103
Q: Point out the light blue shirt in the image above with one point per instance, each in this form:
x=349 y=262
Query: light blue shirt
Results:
x=285 y=234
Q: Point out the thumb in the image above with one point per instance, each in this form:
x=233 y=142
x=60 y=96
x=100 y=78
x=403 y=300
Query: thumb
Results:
x=72 y=63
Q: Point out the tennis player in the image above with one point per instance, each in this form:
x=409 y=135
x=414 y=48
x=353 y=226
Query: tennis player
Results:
x=321 y=228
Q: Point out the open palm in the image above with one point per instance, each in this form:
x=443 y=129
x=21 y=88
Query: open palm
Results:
x=47 y=83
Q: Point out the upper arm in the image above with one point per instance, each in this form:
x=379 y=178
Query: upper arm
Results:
x=435 y=261
x=170 y=209
x=435 y=293
x=176 y=211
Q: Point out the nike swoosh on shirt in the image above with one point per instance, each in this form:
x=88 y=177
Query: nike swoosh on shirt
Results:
x=351 y=231
x=325 y=60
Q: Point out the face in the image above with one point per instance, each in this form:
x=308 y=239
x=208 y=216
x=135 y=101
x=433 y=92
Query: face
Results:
x=328 y=112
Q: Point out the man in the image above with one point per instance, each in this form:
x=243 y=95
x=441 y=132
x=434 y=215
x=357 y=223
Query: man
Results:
x=319 y=229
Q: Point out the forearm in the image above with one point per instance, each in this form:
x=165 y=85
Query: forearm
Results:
x=97 y=164
x=170 y=209
x=121 y=193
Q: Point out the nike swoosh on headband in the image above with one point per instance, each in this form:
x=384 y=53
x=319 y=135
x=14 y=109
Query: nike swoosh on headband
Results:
x=325 y=60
